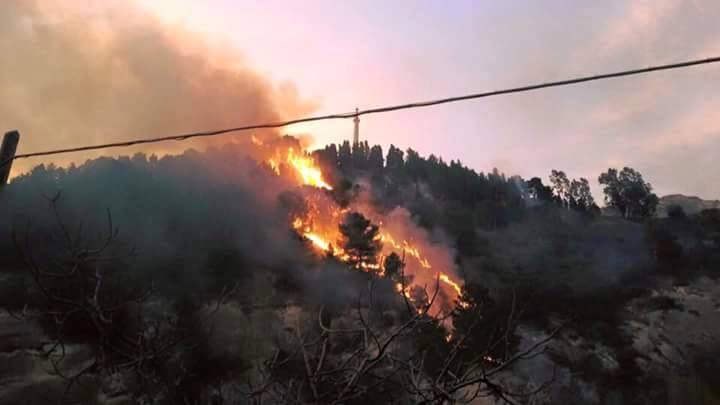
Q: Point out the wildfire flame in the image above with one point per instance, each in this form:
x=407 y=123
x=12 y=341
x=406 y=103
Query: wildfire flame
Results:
x=256 y=141
x=318 y=241
x=323 y=244
x=406 y=248
x=310 y=174
x=304 y=166
x=445 y=279
x=322 y=237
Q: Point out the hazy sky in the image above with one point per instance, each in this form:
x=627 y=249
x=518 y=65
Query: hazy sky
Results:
x=347 y=54
x=366 y=53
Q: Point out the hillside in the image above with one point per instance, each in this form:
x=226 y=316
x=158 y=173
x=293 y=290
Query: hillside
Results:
x=278 y=274
x=690 y=204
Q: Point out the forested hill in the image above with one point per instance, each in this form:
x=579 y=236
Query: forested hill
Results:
x=449 y=195
x=689 y=204
x=154 y=271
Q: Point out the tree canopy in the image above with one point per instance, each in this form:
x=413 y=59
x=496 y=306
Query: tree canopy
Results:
x=360 y=239
x=629 y=193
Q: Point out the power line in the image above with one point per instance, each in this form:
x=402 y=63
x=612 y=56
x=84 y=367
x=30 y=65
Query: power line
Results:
x=376 y=110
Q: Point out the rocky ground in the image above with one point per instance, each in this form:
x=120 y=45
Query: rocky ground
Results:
x=674 y=341
x=27 y=377
x=675 y=338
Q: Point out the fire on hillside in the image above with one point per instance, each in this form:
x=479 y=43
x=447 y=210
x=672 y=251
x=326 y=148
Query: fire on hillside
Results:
x=319 y=224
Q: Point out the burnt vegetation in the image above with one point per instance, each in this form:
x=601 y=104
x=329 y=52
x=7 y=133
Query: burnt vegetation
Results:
x=170 y=281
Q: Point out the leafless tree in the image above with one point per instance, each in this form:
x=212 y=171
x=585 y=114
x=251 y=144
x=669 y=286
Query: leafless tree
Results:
x=384 y=360
x=315 y=362
x=76 y=293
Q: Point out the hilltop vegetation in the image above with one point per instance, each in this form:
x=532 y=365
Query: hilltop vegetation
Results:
x=689 y=205
x=183 y=278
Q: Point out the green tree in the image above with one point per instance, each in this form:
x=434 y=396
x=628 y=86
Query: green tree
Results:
x=414 y=167
x=560 y=186
x=414 y=164
x=676 y=212
x=360 y=239
x=629 y=193
x=393 y=266
x=376 y=160
x=485 y=324
x=580 y=195
x=538 y=190
x=327 y=157
x=345 y=157
x=360 y=154
x=394 y=160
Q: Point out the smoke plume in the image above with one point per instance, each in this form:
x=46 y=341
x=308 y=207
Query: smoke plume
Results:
x=78 y=72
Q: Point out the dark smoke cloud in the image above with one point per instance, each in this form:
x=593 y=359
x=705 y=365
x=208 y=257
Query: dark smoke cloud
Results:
x=175 y=214
x=77 y=72
x=171 y=211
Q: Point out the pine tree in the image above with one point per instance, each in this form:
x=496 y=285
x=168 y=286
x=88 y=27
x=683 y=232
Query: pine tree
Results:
x=360 y=239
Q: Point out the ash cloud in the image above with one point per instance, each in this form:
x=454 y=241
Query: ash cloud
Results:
x=192 y=222
x=171 y=211
x=80 y=72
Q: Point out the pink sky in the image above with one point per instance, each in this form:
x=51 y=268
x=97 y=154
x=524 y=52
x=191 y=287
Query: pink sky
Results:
x=342 y=55
x=369 y=53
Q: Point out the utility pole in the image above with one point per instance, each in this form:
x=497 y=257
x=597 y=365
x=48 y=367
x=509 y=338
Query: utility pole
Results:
x=7 y=153
x=356 y=131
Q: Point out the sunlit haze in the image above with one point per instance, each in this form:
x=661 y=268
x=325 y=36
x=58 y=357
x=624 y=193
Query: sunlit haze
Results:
x=343 y=55
x=481 y=202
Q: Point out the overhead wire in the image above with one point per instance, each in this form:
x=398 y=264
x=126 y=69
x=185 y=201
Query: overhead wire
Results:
x=376 y=110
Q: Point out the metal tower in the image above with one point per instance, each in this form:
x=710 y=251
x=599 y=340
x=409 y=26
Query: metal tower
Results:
x=356 y=131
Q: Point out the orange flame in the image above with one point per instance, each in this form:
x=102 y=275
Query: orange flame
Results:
x=304 y=167
x=320 y=239
x=310 y=174
x=275 y=166
x=406 y=248
x=445 y=279
x=321 y=228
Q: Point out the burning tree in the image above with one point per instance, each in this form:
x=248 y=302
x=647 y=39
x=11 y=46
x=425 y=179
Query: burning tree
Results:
x=393 y=266
x=360 y=240
x=388 y=348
